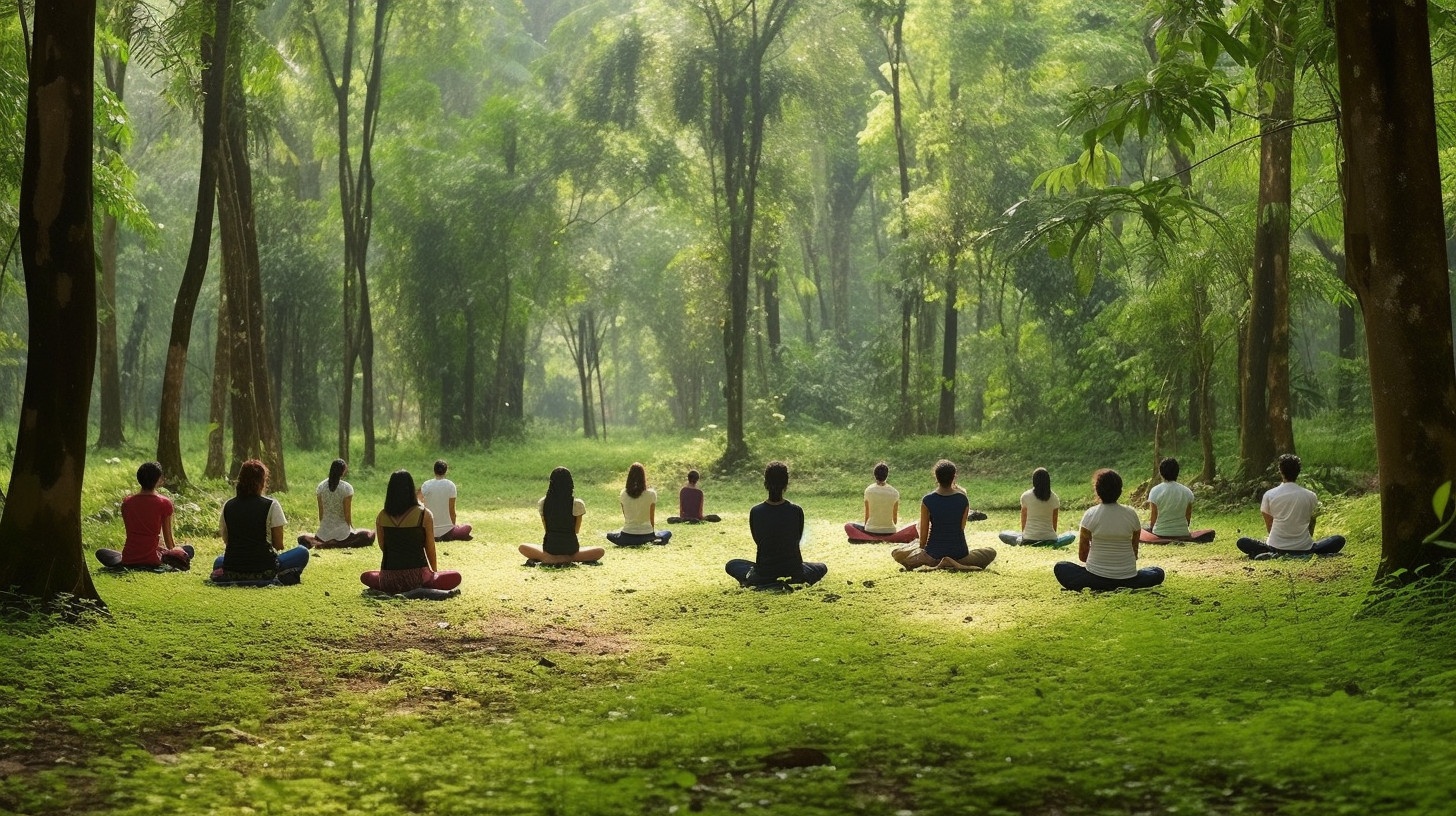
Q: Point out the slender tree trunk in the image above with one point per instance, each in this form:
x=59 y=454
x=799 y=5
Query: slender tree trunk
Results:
x=945 y=423
x=1281 y=414
x=131 y=359
x=169 y=422
x=902 y=155
x=112 y=434
x=217 y=467
x=1396 y=251
x=40 y=530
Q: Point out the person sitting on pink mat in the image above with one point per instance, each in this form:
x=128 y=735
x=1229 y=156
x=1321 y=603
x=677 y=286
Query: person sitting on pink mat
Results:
x=404 y=530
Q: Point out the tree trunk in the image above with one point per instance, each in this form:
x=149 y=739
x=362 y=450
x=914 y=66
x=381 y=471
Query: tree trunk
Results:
x=217 y=467
x=1266 y=343
x=169 y=422
x=945 y=424
x=255 y=434
x=131 y=359
x=41 y=552
x=1396 y=251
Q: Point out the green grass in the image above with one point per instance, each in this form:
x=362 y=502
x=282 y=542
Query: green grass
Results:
x=652 y=684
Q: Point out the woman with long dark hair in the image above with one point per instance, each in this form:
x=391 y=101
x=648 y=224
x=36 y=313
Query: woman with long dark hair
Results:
x=1108 y=546
x=336 y=513
x=942 y=542
x=252 y=535
x=1040 y=509
x=777 y=525
x=406 y=533
x=561 y=513
x=639 y=512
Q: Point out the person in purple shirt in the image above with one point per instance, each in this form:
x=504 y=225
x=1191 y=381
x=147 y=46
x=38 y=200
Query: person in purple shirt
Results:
x=690 y=504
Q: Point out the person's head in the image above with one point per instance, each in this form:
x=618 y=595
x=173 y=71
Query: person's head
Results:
x=1169 y=469
x=636 y=479
x=1107 y=484
x=1289 y=466
x=440 y=467
x=561 y=484
x=149 y=474
x=252 y=478
x=399 y=496
x=945 y=473
x=882 y=472
x=337 y=469
x=1041 y=484
x=693 y=477
x=776 y=480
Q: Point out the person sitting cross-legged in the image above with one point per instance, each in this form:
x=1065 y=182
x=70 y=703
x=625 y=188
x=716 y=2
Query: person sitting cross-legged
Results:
x=147 y=516
x=438 y=496
x=881 y=514
x=405 y=531
x=336 y=513
x=1108 y=546
x=561 y=513
x=777 y=526
x=1289 y=512
x=639 y=512
x=942 y=542
x=690 y=503
x=1040 y=510
x=252 y=535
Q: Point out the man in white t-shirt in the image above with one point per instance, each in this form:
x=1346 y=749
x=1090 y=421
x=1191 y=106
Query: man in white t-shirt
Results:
x=1171 y=502
x=1289 y=514
x=438 y=496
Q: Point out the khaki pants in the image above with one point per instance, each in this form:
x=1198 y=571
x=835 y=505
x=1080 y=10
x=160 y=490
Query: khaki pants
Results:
x=912 y=556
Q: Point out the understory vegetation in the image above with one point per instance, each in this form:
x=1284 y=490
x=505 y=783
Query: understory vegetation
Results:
x=653 y=684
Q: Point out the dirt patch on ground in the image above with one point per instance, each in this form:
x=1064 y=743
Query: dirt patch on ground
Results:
x=503 y=635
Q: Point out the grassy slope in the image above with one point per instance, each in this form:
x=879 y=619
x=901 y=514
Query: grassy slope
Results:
x=652 y=684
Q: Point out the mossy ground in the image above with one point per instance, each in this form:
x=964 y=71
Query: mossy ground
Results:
x=652 y=684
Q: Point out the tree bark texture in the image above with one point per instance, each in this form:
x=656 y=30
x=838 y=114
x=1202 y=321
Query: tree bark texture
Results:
x=41 y=552
x=945 y=422
x=112 y=433
x=169 y=419
x=1264 y=415
x=217 y=466
x=1396 y=251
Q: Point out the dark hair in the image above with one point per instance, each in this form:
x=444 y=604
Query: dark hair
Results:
x=636 y=479
x=882 y=472
x=559 y=499
x=1169 y=469
x=1041 y=484
x=149 y=474
x=440 y=467
x=1289 y=466
x=336 y=472
x=252 y=478
x=399 y=497
x=945 y=472
x=693 y=477
x=776 y=480
x=1107 y=483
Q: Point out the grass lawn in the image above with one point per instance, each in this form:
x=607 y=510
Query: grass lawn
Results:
x=653 y=684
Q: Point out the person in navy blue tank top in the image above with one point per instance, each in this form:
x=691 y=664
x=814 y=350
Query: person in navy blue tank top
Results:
x=943 y=515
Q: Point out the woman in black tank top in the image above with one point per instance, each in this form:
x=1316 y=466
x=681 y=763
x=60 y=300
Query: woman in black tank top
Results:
x=405 y=532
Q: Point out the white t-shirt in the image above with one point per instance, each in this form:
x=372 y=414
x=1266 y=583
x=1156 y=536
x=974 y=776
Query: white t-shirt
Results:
x=1113 y=527
x=1173 y=500
x=437 y=494
x=1039 y=525
x=1292 y=507
x=332 y=526
x=635 y=512
x=881 y=499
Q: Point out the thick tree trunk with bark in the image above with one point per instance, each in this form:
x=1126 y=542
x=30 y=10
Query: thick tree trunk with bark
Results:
x=1396 y=251
x=169 y=422
x=41 y=554
x=217 y=467
x=1264 y=422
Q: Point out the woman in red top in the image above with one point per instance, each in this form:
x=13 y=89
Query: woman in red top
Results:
x=148 y=519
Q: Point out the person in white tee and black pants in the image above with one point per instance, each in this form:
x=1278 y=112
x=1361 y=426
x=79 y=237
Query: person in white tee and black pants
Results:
x=1289 y=513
